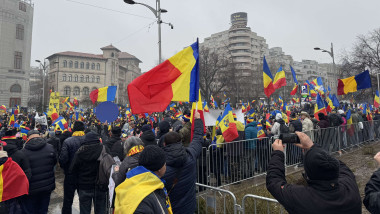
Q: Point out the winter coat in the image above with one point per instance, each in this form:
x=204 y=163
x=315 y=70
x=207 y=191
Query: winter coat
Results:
x=13 y=140
x=319 y=196
x=356 y=118
x=54 y=141
x=148 y=138
x=69 y=147
x=276 y=127
x=181 y=165
x=114 y=147
x=335 y=120
x=128 y=163
x=63 y=136
x=19 y=157
x=149 y=204
x=296 y=124
x=185 y=134
x=42 y=159
x=164 y=127
x=307 y=125
x=251 y=133
x=372 y=193
x=324 y=123
x=85 y=164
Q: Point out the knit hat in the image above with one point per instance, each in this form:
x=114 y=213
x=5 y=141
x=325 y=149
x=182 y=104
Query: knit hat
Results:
x=32 y=132
x=146 y=127
x=172 y=137
x=116 y=131
x=152 y=158
x=186 y=118
x=320 y=166
x=78 y=126
x=91 y=137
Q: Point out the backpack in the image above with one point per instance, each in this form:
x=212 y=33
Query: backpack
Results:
x=105 y=164
x=284 y=128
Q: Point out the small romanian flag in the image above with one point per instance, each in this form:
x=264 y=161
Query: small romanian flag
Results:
x=294 y=91
x=103 y=94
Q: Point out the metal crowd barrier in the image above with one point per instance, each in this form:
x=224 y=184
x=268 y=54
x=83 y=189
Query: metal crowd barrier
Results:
x=230 y=163
x=261 y=205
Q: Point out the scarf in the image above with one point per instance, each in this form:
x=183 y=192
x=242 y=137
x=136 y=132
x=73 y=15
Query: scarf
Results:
x=78 y=133
x=134 y=150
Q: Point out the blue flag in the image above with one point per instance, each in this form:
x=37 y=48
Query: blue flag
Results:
x=294 y=75
x=335 y=101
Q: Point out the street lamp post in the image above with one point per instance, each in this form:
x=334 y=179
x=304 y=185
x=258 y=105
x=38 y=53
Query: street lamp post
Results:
x=331 y=53
x=44 y=67
x=157 y=13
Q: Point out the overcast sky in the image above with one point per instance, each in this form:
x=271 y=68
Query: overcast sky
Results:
x=295 y=25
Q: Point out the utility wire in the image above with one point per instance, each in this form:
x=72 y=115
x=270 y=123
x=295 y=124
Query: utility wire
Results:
x=117 y=11
x=131 y=34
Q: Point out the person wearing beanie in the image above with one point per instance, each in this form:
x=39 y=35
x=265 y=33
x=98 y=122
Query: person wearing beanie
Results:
x=85 y=167
x=143 y=191
x=163 y=128
x=69 y=147
x=114 y=145
x=181 y=172
x=147 y=136
x=331 y=185
x=185 y=132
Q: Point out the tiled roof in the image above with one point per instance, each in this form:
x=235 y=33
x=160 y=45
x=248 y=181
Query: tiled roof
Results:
x=78 y=54
x=125 y=55
x=109 y=47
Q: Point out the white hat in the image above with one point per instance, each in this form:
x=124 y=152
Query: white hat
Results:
x=340 y=111
x=278 y=116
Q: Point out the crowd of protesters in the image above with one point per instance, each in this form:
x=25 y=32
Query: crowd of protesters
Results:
x=155 y=163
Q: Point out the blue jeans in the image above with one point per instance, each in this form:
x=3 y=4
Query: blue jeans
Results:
x=86 y=197
x=36 y=203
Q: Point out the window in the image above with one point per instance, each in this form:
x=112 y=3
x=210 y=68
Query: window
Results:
x=20 y=31
x=87 y=65
x=18 y=60
x=76 y=64
x=70 y=78
x=70 y=64
x=86 y=91
x=112 y=54
x=82 y=78
x=82 y=65
x=16 y=88
x=64 y=63
x=64 y=77
x=67 y=91
x=93 y=66
x=22 y=6
x=87 y=78
x=75 y=78
x=93 y=78
x=98 y=66
x=97 y=79
x=76 y=91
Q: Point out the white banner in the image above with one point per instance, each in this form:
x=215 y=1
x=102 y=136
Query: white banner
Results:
x=213 y=114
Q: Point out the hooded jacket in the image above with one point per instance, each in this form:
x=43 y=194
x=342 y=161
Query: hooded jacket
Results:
x=185 y=134
x=148 y=138
x=181 y=165
x=42 y=159
x=323 y=123
x=128 y=163
x=19 y=157
x=164 y=127
x=85 y=164
x=335 y=197
x=251 y=133
x=114 y=147
x=69 y=147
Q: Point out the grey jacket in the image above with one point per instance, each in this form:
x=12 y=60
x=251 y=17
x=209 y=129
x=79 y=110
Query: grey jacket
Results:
x=128 y=163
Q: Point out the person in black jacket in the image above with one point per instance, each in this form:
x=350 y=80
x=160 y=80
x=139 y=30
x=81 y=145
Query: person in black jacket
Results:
x=19 y=157
x=181 y=172
x=69 y=148
x=164 y=127
x=42 y=160
x=54 y=141
x=10 y=138
x=114 y=145
x=85 y=168
x=372 y=190
x=331 y=185
x=148 y=136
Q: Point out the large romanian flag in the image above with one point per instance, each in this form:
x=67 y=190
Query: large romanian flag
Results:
x=279 y=79
x=268 y=79
x=13 y=181
x=354 y=83
x=176 y=79
x=376 y=101
x=103 y=94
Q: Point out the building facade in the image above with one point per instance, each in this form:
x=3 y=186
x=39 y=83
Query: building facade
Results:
x=75 y=74
x=246 y=50
x=16 y=23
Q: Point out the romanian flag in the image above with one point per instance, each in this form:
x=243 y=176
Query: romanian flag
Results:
x=279 y=79
x=376 y=100
x=329 y=104
x=205 y=107
x=69 y=105
x=228 y=126
x=75 y=101
x=197 y=106
x=251 y=113
x=3 y=108
x=12 y=119
x=317 y=82
x=280 y=100
x=319 y=107
x=243 y=108
x=354 y=83
x=61 y=123
x=65 y=100
x=253 y=101
x=260 y=131
x=128 y=112
x=268 y=79
x=294 y=75
x=103 y=94
x=294 y=90
x=348 y=117
x=54 y=114
x=313 y=93
x=176 y=79
x=17 y=110
x=13 y=181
